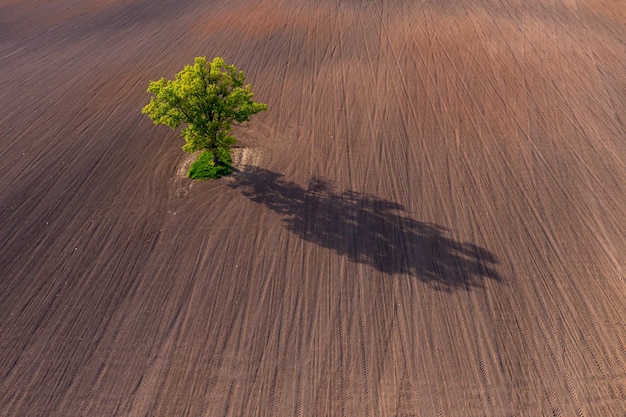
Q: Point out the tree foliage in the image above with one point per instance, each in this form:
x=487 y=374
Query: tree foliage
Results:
x=207 y=97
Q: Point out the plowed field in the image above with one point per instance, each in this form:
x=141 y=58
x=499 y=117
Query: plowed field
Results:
x=430 y=220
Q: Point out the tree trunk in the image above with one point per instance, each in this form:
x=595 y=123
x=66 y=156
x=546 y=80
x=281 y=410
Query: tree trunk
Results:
x=216 y=159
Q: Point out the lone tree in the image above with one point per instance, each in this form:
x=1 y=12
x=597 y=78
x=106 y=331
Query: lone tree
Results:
x=208 y=97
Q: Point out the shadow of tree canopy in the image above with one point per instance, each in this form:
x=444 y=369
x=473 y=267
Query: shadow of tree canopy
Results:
x=369 y=230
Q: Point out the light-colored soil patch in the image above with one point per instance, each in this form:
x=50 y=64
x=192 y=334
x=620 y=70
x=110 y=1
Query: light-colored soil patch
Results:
x=244 y=158
x=185 y=163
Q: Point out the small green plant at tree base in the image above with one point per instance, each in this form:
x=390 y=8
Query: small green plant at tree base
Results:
x=205 y=168
x=208 y=97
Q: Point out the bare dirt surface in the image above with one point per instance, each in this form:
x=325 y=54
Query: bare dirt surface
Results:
x=432 y=222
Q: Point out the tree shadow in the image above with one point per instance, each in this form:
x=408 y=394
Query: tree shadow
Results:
x=369 y=230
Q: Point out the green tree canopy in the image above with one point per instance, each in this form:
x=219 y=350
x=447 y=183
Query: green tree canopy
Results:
x=208 y=97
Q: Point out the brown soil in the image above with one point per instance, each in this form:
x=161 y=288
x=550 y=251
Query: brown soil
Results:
x=435 y=227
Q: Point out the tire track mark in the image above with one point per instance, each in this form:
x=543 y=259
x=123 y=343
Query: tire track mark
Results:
x=365 y=355
x=488 y=400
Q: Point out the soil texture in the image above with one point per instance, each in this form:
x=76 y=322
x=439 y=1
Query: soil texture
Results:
x=430 y=220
